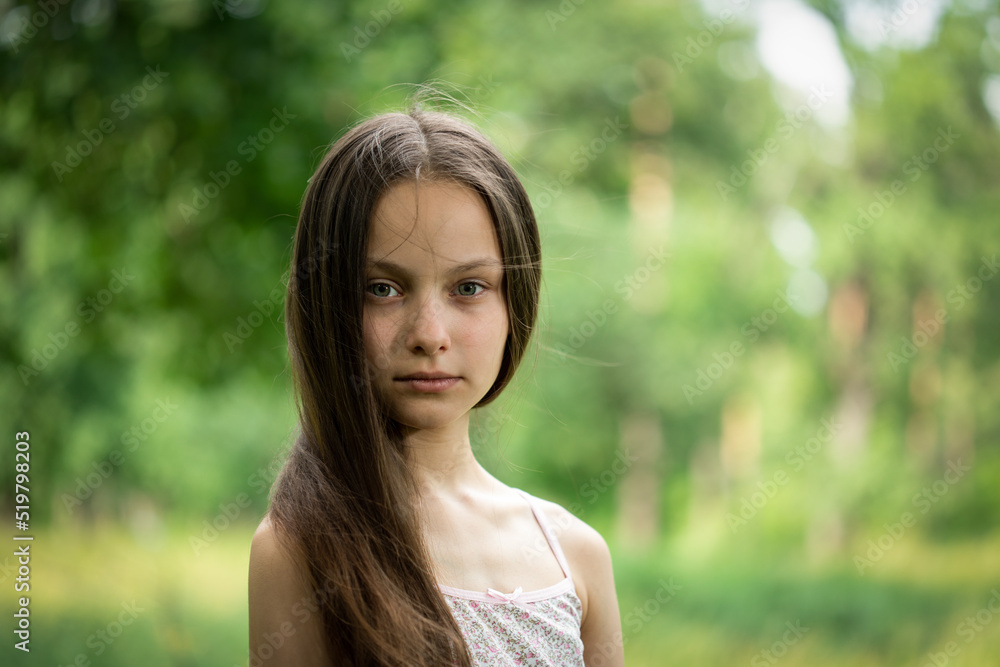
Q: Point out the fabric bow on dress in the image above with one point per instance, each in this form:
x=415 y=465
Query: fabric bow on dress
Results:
x=506 y=597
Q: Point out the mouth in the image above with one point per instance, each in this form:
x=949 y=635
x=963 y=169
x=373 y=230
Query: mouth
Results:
x=428 y=382
x=428 y=376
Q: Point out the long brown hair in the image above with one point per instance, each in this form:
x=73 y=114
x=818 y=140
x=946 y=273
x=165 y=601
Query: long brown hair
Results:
x=345 y=497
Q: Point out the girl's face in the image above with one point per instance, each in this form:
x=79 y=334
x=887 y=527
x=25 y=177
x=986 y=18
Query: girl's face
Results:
x=433 y=302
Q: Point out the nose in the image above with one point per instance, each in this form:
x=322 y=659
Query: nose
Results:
x=428 y=333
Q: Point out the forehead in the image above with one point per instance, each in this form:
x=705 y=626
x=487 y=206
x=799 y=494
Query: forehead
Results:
x=431 y=221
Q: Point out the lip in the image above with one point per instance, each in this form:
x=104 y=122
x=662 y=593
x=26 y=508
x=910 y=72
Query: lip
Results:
x=427 y=376
x=429 y=382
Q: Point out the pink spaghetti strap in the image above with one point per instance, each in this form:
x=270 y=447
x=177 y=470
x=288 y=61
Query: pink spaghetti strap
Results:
x=547 y=530
x=518 y=595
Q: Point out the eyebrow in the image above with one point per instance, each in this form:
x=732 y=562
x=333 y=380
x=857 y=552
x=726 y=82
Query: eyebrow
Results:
x=471 y=265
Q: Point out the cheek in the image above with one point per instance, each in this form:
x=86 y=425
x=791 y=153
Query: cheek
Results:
x=489 y=333
x=375 y=341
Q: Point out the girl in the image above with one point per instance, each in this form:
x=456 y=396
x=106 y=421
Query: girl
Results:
x=411 y=300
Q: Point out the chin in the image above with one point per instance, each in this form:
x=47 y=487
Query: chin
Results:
x=428 y=417
x=423 y=423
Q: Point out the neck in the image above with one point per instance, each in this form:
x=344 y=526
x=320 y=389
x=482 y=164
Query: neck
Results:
x=442 y=462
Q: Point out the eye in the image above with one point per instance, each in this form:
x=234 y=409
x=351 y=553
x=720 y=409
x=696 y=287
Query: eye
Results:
x=382 y=290
x=469 y=289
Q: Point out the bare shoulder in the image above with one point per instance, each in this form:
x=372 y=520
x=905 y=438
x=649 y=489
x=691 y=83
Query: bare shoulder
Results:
x=590 y=563
x=585 y=548
x=573 y=532
x=285 y=626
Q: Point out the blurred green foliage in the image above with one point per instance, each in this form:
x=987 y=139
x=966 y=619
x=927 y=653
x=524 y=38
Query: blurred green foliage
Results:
x=154 y=156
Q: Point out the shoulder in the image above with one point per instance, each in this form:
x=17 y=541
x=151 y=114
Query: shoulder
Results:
x=285 y=626
x=590 y=563
x=270 y=559
x=585 y=548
